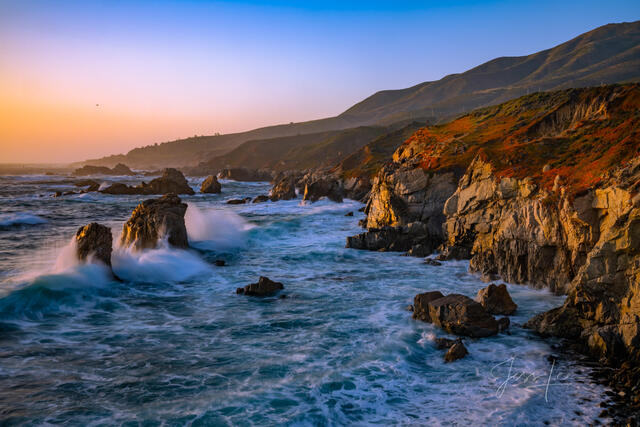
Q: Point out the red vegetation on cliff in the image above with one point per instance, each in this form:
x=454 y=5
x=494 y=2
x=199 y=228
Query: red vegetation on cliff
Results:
x=577 y=134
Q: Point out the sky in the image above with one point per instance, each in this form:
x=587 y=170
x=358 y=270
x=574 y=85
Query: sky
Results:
x=84 y=79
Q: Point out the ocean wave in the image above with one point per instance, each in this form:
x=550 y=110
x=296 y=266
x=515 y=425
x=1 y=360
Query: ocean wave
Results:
x=20 y=219
x=216 y=229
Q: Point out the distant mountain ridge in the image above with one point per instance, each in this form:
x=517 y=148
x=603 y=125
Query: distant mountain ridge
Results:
x=605 y=55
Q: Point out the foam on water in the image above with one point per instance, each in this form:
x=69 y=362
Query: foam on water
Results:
x=174 y=344
x=215 y=229
x=161 y=264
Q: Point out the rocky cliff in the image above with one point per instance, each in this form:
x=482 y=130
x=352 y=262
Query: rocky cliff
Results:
x=542 y=190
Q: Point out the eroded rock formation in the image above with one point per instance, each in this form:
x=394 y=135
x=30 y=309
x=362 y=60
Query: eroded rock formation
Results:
x=155 y=219
x=284 y=189
x=94 y=240
x=211 y=185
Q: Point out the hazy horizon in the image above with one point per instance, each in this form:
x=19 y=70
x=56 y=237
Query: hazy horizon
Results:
x=86 y=80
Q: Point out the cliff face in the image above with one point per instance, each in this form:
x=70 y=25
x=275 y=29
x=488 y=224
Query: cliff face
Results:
x=549 y=197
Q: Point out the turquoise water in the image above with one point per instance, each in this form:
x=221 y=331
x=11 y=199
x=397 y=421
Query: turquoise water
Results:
x=173 y=344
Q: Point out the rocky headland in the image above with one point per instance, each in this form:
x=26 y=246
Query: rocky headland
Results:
x=542 y=191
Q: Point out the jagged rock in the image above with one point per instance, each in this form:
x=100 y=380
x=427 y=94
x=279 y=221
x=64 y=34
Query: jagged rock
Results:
x=246 y=174
x=421 y=305
x=211 y=185
x=457 y=351
x=264 y=287
x=444 y=343
x=328 y=187
x=94 y=240
x=455 y=313
x=285 y=189
x=119 y=188
x=398 y=239
x=261 y=199
x=171 y=181
x=153 y=219
x=496 y=300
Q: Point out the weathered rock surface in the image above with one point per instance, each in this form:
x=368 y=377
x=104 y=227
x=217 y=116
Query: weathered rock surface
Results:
x=399 y=239
x=455 y=352
x=246 y=174
x=328 y=187
x=496 y=300
x=264 y=287
x=94 y=240
x=155 y=219
x=455 y=313
x=211 y=185
x=284 y=189
x=171 y=181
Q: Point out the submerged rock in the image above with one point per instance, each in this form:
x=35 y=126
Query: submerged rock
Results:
x=89 y=183
x=261 y=199
x=211 y=185
x=457 y=351
x=238 y=201
x=455 y=313
x=431 y=261
x=94 y=240
x=264 y=287
x=153 y=219
x=285 y=189
x=496 y=300
x=120 y=188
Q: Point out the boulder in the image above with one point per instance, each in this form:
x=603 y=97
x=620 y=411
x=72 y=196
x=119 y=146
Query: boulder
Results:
x=285 y=189
x=92 y=170
x=455 y=313
x=330 y=188
x=443 y=343
x=421 y=305
x=264 y=287
x=153 y=219
x=89 y=183
x=496 y=300
x=171 y=181
x=455 y=352
x=119 y=188
x=94 y=240
x=122 y=169
x=261 y=199
x=211 y=185
x=246 y=174
x=238 y=201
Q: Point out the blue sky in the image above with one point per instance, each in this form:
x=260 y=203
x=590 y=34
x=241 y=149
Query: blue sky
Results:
x=168 y=69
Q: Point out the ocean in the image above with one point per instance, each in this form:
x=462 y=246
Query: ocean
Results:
x=173 y=344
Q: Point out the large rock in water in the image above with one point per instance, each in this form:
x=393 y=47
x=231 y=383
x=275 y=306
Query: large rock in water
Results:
x=211 y=185
x=398 y=239
x=455 y=313
x=496 y=300
x=285 y=189
x=330 y=188
x=171 y=181
x=94 y=240
x=455 y=352
x=153 y=219
x=264 y=287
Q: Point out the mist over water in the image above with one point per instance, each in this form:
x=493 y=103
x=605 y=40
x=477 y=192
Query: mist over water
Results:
x=173 y=343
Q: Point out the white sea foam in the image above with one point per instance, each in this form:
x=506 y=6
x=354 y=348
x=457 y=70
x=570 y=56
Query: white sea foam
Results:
x=162 y=264
x=217 y=229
